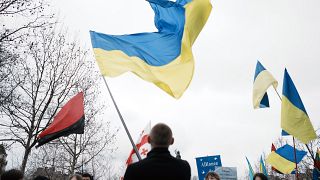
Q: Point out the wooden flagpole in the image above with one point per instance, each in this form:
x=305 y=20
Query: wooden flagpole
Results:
x=122 y=120
x=295 y=157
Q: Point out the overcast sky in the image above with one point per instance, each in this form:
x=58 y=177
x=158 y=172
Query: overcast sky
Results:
x=215 y=114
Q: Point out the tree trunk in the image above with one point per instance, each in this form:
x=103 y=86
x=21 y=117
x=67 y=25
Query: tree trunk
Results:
x=25 y=159
x=27 y=152
x=74 y=156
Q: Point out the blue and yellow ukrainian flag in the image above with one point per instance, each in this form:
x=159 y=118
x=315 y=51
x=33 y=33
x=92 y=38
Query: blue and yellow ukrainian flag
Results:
x=262 y=81
x=283 y=158
x=262 y=167
x=165 y=57
x=294 y=118
x=251 y=172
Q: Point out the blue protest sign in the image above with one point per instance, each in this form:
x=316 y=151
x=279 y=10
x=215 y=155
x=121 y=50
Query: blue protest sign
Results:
x=206 y=164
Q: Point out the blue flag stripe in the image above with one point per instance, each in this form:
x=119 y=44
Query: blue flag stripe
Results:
x=259 y=68
x=155 y=48
x=287 y=152
x=289 y=90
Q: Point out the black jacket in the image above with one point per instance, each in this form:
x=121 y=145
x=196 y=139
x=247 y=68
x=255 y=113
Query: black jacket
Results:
x=159 y=165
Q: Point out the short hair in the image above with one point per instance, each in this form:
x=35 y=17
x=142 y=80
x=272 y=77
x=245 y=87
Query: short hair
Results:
x=78 y=177
x=12 y=174
x=212 y=174
x=87 y=175
x=161 y=135
x=260 y=175
x=41 y=178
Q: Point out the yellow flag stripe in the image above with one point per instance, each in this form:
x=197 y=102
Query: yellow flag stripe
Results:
x=280 y=163
x=296 y=122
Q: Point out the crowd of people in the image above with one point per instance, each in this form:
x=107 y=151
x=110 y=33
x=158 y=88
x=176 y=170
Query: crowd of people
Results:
x=15 y=174
x=158 y=165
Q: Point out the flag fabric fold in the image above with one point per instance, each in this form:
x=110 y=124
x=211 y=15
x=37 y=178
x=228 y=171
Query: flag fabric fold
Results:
x=262 y=81
x=294 y=118
x=283 y=158
x=165 y=57
x=69 y=120
x=251 y=172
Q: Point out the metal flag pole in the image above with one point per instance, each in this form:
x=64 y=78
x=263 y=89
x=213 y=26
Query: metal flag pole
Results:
x=294 y=144
x=122 y=120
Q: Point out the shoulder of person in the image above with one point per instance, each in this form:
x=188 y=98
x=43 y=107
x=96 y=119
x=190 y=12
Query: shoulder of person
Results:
x=184 y=162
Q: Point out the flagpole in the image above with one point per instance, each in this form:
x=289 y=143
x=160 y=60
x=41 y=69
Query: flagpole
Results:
x=277 y=93
x=294 y=144
x=122 y=120
x=295 y=157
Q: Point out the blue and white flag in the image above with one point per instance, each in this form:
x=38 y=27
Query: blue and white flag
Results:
x=206 y=164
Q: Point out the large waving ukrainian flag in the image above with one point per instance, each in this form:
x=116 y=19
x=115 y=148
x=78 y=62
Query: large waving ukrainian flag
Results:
x=294 y=117
x=165 y=57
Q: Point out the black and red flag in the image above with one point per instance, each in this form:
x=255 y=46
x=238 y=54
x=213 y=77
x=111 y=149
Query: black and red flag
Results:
x=69 y=120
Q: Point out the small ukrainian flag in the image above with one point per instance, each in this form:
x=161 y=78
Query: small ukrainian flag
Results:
x=262 y=81
x=283 y=159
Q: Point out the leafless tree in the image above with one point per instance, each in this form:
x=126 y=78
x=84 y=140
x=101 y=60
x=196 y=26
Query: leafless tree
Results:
x=55 y=69
x=20 y=17
x=7 y=61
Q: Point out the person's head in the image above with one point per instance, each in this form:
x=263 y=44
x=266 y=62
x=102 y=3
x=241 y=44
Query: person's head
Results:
x=160 y=136
x=86 y=176
x=12 y=174
x=260 y=176
x=212 y=176
x=76 y=177
x=41 y=178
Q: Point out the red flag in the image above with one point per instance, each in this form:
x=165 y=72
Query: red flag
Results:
x=273 y=148
x=69 y=120
x=317 y=160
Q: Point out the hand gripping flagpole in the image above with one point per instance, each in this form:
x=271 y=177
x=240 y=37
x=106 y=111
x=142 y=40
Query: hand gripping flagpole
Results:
x=122 y=120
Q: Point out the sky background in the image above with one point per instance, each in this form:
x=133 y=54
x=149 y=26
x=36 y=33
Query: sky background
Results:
x=215 y=115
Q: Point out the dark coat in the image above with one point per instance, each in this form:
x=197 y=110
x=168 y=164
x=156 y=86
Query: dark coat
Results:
x=159 y=165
